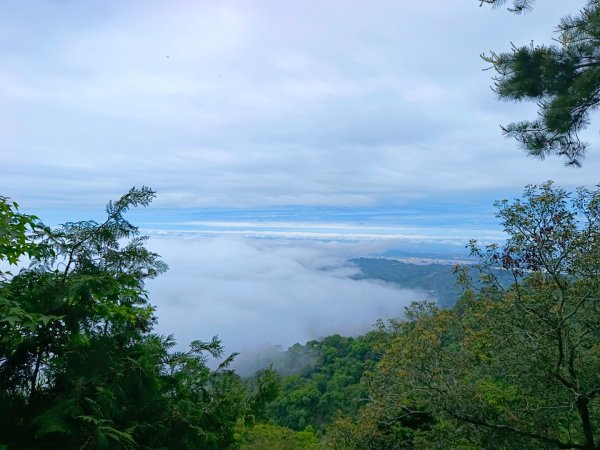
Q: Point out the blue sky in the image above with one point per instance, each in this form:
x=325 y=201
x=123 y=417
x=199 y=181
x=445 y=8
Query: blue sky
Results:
x=341 y=128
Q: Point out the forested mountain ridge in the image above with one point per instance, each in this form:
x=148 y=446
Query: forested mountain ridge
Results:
x=331 y=385
x=433 y=282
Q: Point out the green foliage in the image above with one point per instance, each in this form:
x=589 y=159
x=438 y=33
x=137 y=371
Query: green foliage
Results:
x=562 y=79
x=273 y=437
x=329 y=386
x=79 y=365
x=507 y=367
x=518 y=6
x=265 y=387
x=14 y=229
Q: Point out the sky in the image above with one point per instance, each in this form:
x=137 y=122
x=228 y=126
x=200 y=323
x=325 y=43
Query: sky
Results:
x=366 y=124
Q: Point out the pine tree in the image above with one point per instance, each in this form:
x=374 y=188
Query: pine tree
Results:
x=564 y=80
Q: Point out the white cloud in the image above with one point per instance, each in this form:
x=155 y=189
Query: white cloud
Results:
x=259 y=292
x=325 y=103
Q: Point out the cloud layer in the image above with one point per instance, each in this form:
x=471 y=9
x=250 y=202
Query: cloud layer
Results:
x=258 y=104
x=255 y=292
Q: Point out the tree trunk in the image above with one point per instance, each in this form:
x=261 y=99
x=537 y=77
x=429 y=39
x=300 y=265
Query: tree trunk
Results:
x=586 y=424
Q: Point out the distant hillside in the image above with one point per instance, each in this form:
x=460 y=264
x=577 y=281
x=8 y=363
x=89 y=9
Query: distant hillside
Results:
x=435 y=281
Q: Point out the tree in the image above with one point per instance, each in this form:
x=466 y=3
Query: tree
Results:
x=79 y=364
x=507 y=367
x=563 y=79
x=518 y=7
x=329 y=385
x=14 y=244
x=14 y=227
x=274 y=437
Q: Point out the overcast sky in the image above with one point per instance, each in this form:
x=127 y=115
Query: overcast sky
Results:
x=337 y=120
x=262 y=103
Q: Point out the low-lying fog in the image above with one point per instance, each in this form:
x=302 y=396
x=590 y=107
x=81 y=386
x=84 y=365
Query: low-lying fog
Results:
x=258 y=293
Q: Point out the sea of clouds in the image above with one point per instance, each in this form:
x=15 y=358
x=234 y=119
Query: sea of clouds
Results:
x=260 y=293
